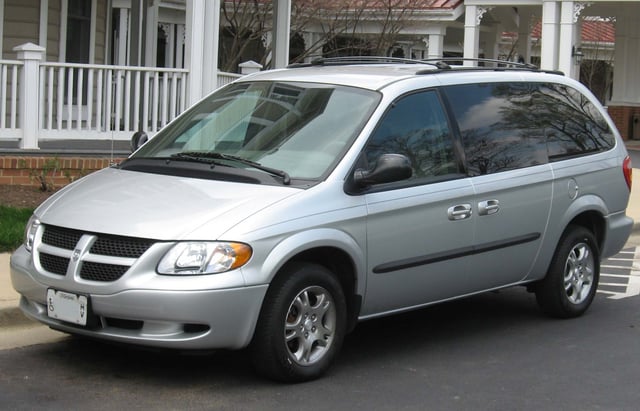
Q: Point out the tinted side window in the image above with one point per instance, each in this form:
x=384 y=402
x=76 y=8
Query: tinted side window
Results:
x=498 y=124
x=417 y=127
x=573 y=125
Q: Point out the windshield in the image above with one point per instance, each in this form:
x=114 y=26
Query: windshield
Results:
x=300 y=129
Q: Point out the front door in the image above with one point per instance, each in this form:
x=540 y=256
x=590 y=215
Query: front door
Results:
x=419 y=231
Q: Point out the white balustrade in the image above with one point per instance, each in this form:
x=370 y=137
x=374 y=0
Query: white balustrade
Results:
x=85 y=101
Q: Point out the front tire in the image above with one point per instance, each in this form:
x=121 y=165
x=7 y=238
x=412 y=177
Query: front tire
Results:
x=572 y=280
x=301 y=326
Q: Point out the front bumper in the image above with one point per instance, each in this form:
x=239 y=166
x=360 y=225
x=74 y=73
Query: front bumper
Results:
x=182 y=319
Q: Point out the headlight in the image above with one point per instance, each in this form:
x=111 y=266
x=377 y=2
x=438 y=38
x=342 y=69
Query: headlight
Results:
x=194 y=258
x=30 y=232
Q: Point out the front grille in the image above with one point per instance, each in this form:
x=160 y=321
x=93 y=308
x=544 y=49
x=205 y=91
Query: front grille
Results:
x=120 y=246
x=120 y=251
x=102 y=272
x=61 y=237
x=54 y=264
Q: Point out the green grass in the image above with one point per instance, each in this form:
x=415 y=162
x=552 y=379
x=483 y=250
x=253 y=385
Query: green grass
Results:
x=12 y=224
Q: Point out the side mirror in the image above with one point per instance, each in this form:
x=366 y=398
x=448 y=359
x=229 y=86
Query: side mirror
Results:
x=138 y=139
x=389 y=168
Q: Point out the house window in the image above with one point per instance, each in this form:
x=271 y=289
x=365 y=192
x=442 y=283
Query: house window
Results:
x=78 y=31
x=78 y=47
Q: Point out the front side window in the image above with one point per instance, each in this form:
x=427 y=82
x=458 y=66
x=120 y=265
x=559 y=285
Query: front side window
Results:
x=300 y=128
x=415 y=126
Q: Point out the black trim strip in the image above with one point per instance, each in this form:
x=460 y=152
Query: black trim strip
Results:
x=449 y=255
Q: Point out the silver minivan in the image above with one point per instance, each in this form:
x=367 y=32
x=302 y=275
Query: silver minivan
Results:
x=284 y=208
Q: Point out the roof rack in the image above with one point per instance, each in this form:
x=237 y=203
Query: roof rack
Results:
x=441 y=64
x=496 y=65
x=348 y=60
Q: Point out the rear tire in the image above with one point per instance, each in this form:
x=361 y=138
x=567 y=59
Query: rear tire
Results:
x=301 y=326
x=572 y=280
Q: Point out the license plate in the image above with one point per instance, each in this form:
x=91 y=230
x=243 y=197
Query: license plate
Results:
x=67 y=307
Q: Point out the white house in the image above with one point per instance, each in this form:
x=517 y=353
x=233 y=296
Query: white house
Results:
x=99 y=70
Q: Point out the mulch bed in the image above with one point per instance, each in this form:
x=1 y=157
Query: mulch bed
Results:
x=22 y=196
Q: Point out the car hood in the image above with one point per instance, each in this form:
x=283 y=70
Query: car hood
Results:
x=161 y=207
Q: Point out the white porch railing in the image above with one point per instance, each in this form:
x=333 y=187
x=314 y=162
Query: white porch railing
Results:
x=87 y=102
x=95 y=100
x=118 y=100
x=9 y=71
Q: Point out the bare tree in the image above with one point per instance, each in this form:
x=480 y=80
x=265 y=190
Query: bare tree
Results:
x=347 y=27
x=244 y=27
x=353 y=26
x=596 y=69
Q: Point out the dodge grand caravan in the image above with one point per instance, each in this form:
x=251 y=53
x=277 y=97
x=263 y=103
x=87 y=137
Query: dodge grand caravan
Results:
x=284 y=208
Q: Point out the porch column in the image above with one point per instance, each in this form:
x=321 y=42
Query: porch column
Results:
x=549 y=35
x=312 y=40
x=435 y=35
x=491 y=43
x=29 y=92
x=626 y=83
x=151 y=36
x=201 y=57
x=472 y=19
x=567 y=41
x=471 y=33
x=281 y=27
x=524 y=37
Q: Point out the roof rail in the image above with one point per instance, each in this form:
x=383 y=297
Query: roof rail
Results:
x=442 y=64
x=497 y=63
x=347 y=60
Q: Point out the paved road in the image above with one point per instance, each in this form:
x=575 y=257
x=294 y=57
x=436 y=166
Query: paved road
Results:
x=490 y=352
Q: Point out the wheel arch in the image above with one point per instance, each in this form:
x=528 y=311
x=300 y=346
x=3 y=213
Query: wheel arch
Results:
x=340 y=263
x=588 y=211
x=593 y=221
x=332 y=249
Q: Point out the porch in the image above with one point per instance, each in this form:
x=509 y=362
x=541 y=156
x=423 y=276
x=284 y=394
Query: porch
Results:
x=65 y=108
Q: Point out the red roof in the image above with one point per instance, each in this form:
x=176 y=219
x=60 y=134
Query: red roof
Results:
x=385 y=4
x=598 y=31
x=595 y=31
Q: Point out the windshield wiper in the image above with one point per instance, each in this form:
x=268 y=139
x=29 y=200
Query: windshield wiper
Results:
x=210 y=157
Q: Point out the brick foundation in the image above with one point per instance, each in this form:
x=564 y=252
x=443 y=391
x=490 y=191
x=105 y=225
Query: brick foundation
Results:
x=55 y=172
x=622 y=116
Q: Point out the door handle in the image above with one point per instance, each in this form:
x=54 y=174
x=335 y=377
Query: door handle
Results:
x=488 y=207
x=459 y=212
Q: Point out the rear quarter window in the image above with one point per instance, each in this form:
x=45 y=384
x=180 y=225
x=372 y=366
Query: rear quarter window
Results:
x=573 y=125
x=505 y=126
